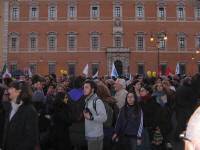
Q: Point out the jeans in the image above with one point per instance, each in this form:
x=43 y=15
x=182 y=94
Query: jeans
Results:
x=95 y=145
x=133 y=142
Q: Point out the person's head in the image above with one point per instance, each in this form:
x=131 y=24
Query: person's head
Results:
x=131 y=98
x=51 y=88
x=78 y=82
x=145 y=90
x=37 y=82
x=20 y=91
x=158 y=87
x=131 y=102
x=192 y=134
x=61 y=98
x=119 y=84
x=102 y=91
x=137 y=85
x=89 y=87
x=22 y=77
x=47 y=79
x=60 y=88
x=140 y=78
x=7 y=81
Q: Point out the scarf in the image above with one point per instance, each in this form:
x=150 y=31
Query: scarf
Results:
x=144 y=99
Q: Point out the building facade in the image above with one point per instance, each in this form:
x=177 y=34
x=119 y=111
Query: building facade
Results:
x=1 y=31
x=50 y=35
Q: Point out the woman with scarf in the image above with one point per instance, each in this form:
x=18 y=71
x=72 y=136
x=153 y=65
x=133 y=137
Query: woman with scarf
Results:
x=149 y=110
x=164 y=104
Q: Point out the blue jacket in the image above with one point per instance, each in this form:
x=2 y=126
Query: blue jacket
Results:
x=133 y=127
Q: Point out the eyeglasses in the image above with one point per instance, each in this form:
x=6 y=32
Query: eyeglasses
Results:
x=184 y=137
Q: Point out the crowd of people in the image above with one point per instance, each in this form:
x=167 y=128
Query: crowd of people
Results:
x=105 y=113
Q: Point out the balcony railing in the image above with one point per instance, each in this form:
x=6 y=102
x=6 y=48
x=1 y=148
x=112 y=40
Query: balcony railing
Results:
x=118 y=50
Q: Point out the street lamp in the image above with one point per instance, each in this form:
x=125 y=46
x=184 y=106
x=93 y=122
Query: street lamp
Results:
x=157 y=40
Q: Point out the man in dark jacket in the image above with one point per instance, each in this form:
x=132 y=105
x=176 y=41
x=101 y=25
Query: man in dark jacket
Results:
x=185 y=105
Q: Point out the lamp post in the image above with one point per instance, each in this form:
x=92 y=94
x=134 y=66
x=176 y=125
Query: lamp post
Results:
x=157 y=40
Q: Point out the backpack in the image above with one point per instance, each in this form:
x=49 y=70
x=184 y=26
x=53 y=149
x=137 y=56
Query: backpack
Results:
x=109 y=111
x=76 y=110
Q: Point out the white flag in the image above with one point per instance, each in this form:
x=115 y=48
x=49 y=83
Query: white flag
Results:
x=177 y=69
x=85 y=70
x=29 y=73
x=114 y=71
x=96 y=74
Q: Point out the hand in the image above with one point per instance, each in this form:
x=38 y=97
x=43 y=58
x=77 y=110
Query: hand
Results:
x=139 y=142
x=114 y=136
x=48 y=116
x=86 y=115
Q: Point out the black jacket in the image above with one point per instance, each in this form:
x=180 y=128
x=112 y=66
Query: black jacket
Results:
x=21 y=132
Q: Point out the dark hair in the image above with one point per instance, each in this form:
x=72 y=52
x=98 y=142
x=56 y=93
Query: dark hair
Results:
x=93 y=85
x=7 y=81
x=26 y=92
x=135 y=81
x=78 y=82
x=148 y=88
x=59 y=99
x=36 y=78
x=135 y=106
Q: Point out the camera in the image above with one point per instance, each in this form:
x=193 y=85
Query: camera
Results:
x=87 y=110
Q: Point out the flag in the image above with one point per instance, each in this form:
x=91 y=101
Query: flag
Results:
x=178 y=69
x=5 y=72
x=114 y=71
x=130 y=76
x=85 y=70
x=160 y=71
x=29 y=73
x=96 y=74
x=169 y=72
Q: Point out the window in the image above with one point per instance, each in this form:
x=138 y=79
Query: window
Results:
x=140 y=12
x=71 y=42
x=161 y=12
x=140 y=68
x=117 y=11
x=180 y=13
x=197 y=12
x=33 y=68
x=14 y=42
x=163 y=68
x=181 y=42
x=34 y=12
x=52 y=68
x=95 y=11
x=72 y=11
x=95 y=68
x=52 y=42
x=198 y=42
x=182 y=68
x=140 y=42
x=162 y=43
x=95 y=42
x=13 y=67
x=15 y=13
x=33 y=42
x=71 y=69
x=52 y=11
x=118 y=41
